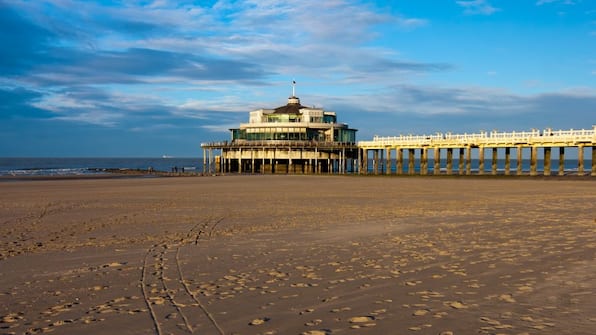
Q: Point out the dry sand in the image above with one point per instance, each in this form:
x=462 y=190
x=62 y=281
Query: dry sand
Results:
x=298 y=255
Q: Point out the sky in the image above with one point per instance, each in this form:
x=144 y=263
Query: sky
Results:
x=146 y=78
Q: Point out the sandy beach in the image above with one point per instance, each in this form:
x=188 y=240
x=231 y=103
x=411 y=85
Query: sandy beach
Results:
x=298 y=255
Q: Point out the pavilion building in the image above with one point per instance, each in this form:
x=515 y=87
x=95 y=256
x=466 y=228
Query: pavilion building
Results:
x=293 y=138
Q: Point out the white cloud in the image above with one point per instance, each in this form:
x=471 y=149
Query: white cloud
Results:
x=564 y=2
x=477 y=7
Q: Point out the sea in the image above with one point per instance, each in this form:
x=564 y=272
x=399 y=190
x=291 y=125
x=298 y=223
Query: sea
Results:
x=24 y=167
x=89 y=166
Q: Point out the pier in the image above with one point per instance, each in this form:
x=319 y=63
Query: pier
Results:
x=298 y=139
x=408 y=154
x=378 y=152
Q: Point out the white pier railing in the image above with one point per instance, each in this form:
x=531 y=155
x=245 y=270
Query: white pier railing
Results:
x=547 y=137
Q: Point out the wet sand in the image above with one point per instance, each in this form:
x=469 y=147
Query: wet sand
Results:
x=298 y=255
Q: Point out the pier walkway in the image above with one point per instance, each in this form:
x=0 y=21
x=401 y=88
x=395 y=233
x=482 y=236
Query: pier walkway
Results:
x=465 y=143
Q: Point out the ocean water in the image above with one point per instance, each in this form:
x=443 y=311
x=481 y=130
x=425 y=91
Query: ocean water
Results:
x=85 y=166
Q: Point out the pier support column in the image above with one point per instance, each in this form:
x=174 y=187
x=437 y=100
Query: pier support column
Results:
x=481 y=160
x=437 y=161
x=365 y=161
x=376 y=161
x=562 y=161
x=344 y=162
x=580 y=160
x=547 y=151
x=239 y=160
x=449 y=161
x=493 y=166
x=399 y=164
x=204 y=160
x=469 y=161
x=533 y=160
x=317 y=170
x=263 y=162
x=411 y=161
x=252 y=162
x=388 y=162
x=519 y=167
x=290 y=167
x=460 y=162
x=507 y=161
x=594 y=161
x=424 y=161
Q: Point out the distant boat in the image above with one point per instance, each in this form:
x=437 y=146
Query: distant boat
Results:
x=166 y=156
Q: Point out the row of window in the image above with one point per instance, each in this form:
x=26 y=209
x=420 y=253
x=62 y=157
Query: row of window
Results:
x=339 y=135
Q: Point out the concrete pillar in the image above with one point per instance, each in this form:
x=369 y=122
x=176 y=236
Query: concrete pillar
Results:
x=399 y=164
x=481 y=160
x=365 y=161
x=519 y=167
x=271 y=165
x=359 y=161
x=317 y=170
x=204 y=161
x=449 y=161
x=469 y=161
x=493 y=166
x=210 y=161
x=424 y=161
x=580 y=160
x=290 y=167
x=437 y=161
x=239 y=160
x=593 y=161
x=376 y=161
x=507 y=161
x=263 y=162
x=562 y=161
x=460 y=162
x=547 y=151
x=411 y=161
x=388 y=162
x=533 y=160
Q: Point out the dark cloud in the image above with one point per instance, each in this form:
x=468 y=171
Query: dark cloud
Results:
x=76 y=67
x=23 y=43
x=18 y=103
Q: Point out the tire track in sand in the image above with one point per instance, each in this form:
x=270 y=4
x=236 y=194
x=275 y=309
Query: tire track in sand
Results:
x=166 y=292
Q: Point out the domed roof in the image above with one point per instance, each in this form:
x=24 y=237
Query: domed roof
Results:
x=293 y=107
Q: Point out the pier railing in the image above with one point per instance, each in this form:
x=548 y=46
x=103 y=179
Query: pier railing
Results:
x=277 y=144
x=547 y=137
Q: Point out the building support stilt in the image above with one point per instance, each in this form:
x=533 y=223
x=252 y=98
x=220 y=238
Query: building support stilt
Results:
x=460 y=162
x=562 y=161
x=507 y=161
x=411 y=170
x=399 y=164
x=449 y=165
x=533 y=160
x=519 y=167
x=481 y=160
x=580 y=160
x=437 y=161
x=547 y=166
x=493 y=167
x=469 y=161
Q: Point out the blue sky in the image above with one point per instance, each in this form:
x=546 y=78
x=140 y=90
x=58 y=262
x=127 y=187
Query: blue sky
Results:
x=147 y=78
